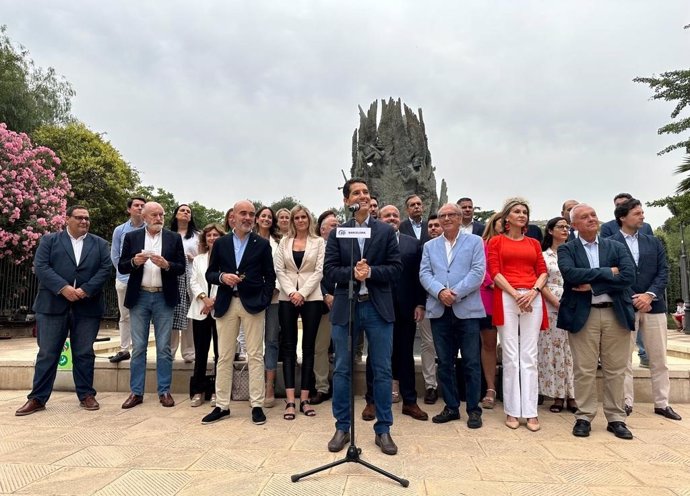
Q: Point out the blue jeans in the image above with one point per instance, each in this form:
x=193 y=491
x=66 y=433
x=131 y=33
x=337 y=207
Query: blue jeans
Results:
x=641 y=351
x=450 y=334
x=52 y=333
x=380 y=338
x=150 y=306
x=271 y=337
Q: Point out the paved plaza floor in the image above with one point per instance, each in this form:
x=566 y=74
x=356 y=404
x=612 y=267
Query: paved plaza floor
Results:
x=151 y=450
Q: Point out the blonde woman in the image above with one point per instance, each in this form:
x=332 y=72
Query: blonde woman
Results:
x=299 y=269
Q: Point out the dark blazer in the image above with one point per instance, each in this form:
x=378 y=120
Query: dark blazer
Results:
x=171 y=249
x=611 y=227
x=256 y=289
x=534 y=231
x=56 y=267
x=478 y=228
x=652 y=269
x=574 y=266
x=383 y=256
x=408 y=292
x=406 y=228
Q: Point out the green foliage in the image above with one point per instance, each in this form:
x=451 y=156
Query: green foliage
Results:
x=30 y=96
x=482 y=215
x=204 y=215
x=101 y=179
x=286 y=202
x=165 y=198
x=684 y=168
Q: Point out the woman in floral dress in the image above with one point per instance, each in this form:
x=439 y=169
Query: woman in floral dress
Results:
x=555 y=361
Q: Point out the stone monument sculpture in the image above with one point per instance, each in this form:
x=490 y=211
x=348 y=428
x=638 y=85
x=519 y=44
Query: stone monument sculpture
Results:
x=393 y=156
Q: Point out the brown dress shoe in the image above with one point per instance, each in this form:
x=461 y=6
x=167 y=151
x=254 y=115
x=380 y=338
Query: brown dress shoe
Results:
x=133 y=400
x=89 y=403
x=31 y=406
x=166 y=400
x=415 y=412
x=369 y=412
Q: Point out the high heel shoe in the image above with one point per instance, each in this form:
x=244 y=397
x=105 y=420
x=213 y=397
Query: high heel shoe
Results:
x=305 y=408
x=289 y=415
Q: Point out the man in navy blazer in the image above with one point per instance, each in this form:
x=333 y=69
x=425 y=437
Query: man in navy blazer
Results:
x=377 y=266
x=71 y=269
x=611 y=227
x=415 y=225
x=451 y=272
x=467 y=223
x=596 y=308
x=650 y=307
x=409 y=299
x=153 y=257
x=242 y=265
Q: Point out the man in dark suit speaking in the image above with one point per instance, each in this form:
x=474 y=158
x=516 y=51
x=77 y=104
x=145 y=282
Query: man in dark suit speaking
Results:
x=378 y=263
x=596 y=308
x=71 y=267
x=153 y=257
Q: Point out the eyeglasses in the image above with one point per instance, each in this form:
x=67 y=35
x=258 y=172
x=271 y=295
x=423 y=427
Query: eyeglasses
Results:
x=447 y=216
x=561 y=226
x=81 y=218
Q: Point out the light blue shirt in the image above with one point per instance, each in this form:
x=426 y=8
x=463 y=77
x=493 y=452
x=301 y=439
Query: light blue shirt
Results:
x=631 y=241
x=417 y=228
x=240 y=246
x=116 y=246
x=592 y=251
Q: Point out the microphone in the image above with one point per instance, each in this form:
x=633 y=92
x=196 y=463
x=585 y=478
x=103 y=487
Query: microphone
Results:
x=354 y=207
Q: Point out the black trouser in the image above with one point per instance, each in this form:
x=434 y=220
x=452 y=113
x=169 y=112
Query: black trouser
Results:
x=402 y=361
x=203 y=331
x=310 y=312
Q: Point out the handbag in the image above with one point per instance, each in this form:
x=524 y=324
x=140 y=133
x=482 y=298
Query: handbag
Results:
x=240 y=382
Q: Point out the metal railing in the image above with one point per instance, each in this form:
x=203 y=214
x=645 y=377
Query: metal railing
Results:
x=18 y=288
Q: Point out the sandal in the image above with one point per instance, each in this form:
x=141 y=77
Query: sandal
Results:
x=489 y=400
x=572 y=405
x=289 y=415
x=305 y=408
x=557 y=406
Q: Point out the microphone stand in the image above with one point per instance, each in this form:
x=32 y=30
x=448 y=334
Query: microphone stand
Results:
x=353 y=452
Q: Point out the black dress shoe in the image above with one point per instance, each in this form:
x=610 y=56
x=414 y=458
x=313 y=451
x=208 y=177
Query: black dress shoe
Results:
x=668 y=413
x=628 y=410
x=582 y=428
x=385 y=442
x=431 y=396
x=475 y=420
x=120 y=356
x=319 y=398
x=338 y=441
x=619 y=430
x=445 y=416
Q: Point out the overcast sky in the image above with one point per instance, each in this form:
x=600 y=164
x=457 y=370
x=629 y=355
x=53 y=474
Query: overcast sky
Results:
x=223 y=100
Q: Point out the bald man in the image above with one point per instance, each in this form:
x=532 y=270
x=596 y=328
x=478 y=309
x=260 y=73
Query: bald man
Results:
x=241 y=265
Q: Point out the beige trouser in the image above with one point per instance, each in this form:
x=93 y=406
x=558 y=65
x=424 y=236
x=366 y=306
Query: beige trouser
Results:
x=602 y=336
x=124 y=325
x=228 y=328
x=653 y=327
x=321 y=364
x=187 y=339
x=428 y=353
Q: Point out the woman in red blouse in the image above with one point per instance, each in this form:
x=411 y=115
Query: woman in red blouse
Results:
x=517 y=268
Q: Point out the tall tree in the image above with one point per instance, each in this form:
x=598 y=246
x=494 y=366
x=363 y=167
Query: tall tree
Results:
x=29 y=95
x=101 y=179
x=674 y=86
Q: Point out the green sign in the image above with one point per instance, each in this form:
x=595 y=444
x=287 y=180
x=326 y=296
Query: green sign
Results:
x=65 y=362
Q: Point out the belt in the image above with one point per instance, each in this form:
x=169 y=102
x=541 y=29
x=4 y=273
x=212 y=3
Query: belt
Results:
x=363 y=297
x=152 y=289
x=606 y=304
x=235 y=294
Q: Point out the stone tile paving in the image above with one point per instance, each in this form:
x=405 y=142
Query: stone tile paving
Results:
x=151 y=450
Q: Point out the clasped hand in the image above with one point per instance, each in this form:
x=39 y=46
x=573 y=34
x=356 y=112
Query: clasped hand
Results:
x=362 y=270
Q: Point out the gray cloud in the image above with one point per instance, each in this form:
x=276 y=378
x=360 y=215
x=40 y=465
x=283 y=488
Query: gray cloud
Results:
x=224 y=100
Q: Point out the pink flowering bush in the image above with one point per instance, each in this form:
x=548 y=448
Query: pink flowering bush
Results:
x=33 y=196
